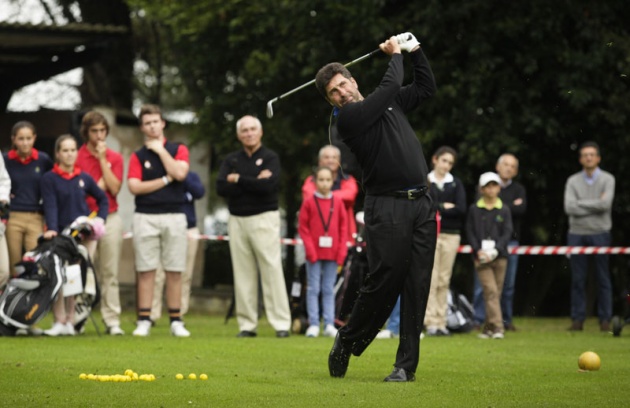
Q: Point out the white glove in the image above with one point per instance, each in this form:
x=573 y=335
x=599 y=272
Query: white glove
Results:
x=407 y=41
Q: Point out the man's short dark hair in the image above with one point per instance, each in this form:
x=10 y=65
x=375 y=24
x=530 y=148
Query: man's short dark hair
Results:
x=590 y=144
x=326 y=73
x=92 y=118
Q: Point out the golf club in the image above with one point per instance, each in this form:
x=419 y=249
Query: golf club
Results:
x=270 y=103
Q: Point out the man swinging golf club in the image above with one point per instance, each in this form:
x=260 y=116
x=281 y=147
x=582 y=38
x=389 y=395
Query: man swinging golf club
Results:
x=399 y=219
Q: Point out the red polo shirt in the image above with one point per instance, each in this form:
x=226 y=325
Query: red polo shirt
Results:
x=91 y=165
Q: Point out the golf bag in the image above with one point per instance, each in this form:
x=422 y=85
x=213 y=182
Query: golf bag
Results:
x=29 y=296
x=460 y=313
x=353 y=273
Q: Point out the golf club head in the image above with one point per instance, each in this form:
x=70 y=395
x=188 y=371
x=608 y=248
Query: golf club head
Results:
x=270 y=108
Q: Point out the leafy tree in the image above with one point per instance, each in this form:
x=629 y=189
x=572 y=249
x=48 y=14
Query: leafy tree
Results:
x=535 y=79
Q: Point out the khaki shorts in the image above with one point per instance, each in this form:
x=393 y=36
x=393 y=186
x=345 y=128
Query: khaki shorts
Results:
x=160 y=237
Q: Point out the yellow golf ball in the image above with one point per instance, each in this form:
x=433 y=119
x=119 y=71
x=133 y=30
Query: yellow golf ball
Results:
x=83 y=376
x=179 y=376
x=203 y=377
x=192 y=376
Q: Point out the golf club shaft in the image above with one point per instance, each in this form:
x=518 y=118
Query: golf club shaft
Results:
x=311 y=82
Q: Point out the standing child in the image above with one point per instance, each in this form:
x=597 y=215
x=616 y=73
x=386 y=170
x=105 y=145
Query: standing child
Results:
x=64 y=190
x=451 y=202
x=26 y=165
x=489 y=228
x=322 y=227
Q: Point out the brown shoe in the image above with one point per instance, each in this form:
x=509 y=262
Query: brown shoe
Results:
x=576 y=326
x=604 y=326
x=510 y=327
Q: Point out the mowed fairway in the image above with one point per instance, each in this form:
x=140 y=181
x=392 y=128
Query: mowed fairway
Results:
x=536 y=366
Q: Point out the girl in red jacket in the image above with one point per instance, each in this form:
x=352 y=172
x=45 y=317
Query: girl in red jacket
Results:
x=322 y=227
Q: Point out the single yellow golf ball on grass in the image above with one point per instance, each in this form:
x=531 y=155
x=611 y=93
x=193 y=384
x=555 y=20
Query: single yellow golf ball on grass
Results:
x=203 y=377
x=83 y=376
x=192 y=376
x=589 y=361
x=179 y=376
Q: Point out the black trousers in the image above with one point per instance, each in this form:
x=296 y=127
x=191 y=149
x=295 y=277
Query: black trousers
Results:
x=400 y=243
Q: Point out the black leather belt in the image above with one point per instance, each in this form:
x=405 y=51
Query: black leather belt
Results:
x=412 y=194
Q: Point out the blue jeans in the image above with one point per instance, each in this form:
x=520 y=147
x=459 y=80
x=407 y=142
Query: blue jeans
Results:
x=579 y=272
x=321 y=277
x=393 y=324
x=507 y=294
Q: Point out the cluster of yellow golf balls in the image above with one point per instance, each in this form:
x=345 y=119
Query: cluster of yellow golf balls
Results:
x=191 y=376
x=128 y=376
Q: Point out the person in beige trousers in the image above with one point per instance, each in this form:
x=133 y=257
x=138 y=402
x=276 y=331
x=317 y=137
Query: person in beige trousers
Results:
x=249 y=178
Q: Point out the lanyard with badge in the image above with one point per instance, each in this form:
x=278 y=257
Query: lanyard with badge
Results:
x=325 y=241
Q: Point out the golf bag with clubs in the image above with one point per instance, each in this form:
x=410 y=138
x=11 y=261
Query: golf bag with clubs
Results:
x=352 y=275
x=42 y=273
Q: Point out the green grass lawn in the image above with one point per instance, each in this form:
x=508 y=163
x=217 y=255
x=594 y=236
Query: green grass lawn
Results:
x=536 y=366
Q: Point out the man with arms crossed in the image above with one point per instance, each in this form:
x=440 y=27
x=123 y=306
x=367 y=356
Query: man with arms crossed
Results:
x=249 y=179
x=588 y=198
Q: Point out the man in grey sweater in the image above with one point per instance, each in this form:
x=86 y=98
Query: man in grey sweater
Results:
x=588 y=197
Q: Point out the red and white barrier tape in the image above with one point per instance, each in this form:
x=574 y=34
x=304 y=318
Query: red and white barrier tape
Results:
x=466 y=249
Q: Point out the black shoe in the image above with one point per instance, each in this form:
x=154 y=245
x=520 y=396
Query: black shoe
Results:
x=282 y=333
x=246 y=333
x=400 y=375
x=576 y=326
x=338 y=359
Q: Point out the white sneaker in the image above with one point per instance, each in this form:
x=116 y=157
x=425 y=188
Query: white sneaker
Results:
x=143 y=327
x=385 y=334
x=70 y=329
x=312 y=331
x=178 y=329
x=330 y=331
x=498 y=335
x=57 y=329
x=115 y=330
x=485 y=334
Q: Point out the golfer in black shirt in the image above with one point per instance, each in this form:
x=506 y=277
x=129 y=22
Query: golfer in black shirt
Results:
x=399 y=216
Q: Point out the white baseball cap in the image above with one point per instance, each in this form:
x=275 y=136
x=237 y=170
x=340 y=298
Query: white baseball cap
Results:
x=489 y=177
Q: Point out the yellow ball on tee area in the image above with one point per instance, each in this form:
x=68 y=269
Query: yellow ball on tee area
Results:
x=203 y=377
x=192 y=376
x=589 y=361
x=179 y=376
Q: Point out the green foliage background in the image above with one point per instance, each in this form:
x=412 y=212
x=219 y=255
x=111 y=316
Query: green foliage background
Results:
x=532 y=78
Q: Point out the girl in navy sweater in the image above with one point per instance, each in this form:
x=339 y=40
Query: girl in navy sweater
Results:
x=323 y=228
x=26 y=165
x=64 y=190
x=451 y=201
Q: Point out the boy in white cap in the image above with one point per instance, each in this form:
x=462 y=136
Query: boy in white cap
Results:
x=489 y=228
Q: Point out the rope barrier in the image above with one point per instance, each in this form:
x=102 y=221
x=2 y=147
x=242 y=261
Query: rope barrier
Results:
x=466 y=249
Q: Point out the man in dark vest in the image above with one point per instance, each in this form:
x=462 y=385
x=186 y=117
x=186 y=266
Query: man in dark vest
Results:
x=156 y=173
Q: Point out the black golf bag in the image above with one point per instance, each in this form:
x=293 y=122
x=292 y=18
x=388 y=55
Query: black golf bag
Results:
x=353 y=273
x=29 y=296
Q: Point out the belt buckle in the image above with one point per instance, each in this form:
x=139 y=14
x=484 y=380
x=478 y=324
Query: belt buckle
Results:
x=410 y=194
